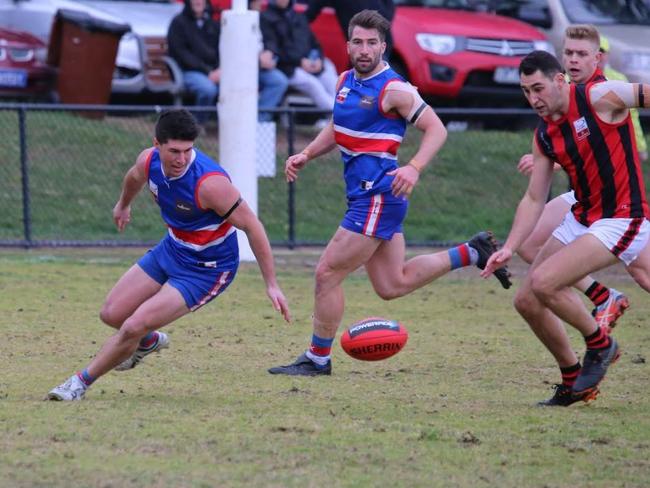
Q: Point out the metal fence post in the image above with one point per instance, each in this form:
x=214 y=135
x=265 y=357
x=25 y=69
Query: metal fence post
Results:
x=24 y=172
x=291 y=240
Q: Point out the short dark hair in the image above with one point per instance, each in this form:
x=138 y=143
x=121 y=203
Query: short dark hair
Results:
x=540 y=61
x=177 y=124
x=370 y=19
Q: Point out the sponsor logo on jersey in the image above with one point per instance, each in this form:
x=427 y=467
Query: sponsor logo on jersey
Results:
x=366 y=184
x=183 y=207
x=581 y=128
x=367 y=102
x=342 y=94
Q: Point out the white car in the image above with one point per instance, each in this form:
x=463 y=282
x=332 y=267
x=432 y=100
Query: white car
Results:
x=141 y=64
x=625 y=23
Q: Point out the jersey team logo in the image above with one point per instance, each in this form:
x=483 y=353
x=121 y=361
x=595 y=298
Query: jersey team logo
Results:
x=342 y=94
x=367 y=102
x=581 y=128
x=182 y=207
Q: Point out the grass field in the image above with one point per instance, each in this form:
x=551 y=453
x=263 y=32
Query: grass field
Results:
x=454 y=409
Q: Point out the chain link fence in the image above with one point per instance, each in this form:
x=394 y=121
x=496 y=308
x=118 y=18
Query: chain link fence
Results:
x=63 y=166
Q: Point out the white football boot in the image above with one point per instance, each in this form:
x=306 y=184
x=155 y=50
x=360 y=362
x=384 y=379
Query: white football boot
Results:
x=139 y=354
x=71 y=390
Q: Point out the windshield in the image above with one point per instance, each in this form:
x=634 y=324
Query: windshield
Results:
x=476 y=5
x=602 y=12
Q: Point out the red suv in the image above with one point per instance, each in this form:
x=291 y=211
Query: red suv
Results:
x=451 y=52
x=23 y=72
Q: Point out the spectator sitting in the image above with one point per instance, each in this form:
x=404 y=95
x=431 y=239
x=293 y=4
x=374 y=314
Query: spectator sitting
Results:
x=287 y=34
x=193 y=42
x=273 y=82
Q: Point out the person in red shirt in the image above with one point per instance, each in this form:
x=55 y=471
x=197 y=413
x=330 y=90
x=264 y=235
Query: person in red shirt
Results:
x=588 y=131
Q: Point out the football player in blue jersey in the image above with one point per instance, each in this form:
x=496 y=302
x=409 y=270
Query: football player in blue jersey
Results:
x=373 y=105
x=192 y=264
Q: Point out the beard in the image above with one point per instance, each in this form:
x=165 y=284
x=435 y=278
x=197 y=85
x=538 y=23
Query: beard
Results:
x=367 y=65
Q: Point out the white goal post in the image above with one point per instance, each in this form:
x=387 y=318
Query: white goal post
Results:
x=238 y=54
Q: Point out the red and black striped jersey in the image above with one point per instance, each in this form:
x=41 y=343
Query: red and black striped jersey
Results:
x=596 y=77
x=600 y=159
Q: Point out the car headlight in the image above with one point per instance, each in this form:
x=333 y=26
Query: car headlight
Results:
x=637 y=61
x=437 y=43
x=544 y=46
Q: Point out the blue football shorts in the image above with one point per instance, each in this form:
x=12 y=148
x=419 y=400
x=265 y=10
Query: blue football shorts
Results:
x=378 y=216
x=198 y=283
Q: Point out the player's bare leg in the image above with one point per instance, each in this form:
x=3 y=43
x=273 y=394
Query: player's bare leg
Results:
x=639 y=269
x=558 y=268
x=552 y=216
x=345 y=252
x=131 y=290
x=392 y=277
x=164 y=307
x=546 y=326
x=606 y=310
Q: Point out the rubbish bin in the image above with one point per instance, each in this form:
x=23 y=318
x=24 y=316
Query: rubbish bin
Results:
x=83 y=48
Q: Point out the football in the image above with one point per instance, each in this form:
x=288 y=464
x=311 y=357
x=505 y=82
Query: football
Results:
x=374 y=338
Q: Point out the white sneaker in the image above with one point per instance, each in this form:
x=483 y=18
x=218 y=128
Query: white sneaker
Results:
x=139 y=354
x=72 y=390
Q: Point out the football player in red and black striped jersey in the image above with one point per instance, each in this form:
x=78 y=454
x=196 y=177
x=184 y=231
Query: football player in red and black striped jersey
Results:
x=581 y=56
x=588 y=131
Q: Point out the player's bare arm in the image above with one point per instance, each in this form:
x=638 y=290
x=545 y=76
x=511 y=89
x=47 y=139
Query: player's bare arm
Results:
x=525 y=165
x=134 y=180
x=219 y=194
x=322 y=144
x=528 y=212
x=612 y=99
x=403 y=98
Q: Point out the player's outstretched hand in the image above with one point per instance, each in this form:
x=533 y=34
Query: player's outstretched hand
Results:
x=279 y=301
x=121 y=216
x=498 y=260
x=525 y=165
x=294 y=164
x=405 y=179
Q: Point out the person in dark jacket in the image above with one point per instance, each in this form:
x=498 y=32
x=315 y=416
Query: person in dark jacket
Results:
x=346 y=9
x=193 y=42
x=273 y=82
x=287 y=34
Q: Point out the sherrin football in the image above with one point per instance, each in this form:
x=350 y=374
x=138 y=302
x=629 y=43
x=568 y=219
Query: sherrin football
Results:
x=374 y=338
